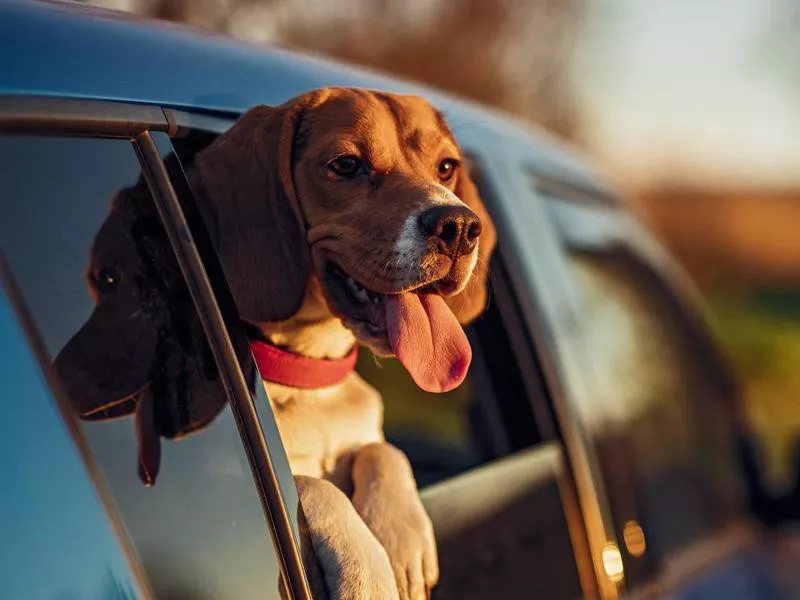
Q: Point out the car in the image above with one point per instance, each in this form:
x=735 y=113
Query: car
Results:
x=590 y=452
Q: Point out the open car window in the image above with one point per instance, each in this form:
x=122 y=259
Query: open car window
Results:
x=489 y=416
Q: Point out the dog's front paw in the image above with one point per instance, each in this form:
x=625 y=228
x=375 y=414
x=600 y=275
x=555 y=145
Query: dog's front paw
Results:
x=406 y=532
x=351 y=562
x=385 y=495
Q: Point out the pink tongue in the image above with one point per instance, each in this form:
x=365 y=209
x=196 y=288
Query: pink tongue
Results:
x=428 y=340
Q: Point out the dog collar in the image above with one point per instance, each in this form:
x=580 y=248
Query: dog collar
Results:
x=281 y=366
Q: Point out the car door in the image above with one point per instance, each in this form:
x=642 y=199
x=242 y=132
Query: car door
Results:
x=133 y=340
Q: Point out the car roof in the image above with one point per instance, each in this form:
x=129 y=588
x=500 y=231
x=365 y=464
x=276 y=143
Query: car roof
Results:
x=66 y=49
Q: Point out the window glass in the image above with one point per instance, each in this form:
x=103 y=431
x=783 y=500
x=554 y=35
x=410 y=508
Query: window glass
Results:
x=48 y=506
x=664 y=435
x=131 y=354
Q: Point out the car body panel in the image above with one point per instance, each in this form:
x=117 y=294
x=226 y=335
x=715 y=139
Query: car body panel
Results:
x=71 y=50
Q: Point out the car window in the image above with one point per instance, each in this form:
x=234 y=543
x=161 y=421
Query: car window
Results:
x=443 y=434
x=48 y=507
x=664 y=427
x=95 y=269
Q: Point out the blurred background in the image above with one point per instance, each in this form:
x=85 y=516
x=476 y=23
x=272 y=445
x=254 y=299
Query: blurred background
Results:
x=691 y=106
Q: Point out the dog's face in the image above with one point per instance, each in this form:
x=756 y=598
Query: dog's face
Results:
x=376 y=179
x=366 y=192
x=142 y=350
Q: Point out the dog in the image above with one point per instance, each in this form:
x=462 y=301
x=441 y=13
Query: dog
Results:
x=359 y=204
x=343 y=217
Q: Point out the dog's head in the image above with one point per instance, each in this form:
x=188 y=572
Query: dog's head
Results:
x=366 y=194
x=143 y=350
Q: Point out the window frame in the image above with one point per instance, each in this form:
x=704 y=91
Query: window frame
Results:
x=89 y=118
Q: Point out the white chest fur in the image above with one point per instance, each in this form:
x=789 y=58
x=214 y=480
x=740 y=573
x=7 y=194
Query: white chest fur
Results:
x=322 y=428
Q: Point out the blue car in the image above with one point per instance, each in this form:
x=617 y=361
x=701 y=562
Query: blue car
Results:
x=594 y=451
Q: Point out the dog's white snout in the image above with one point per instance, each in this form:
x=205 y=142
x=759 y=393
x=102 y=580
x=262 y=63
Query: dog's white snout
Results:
x=410 y=244
x=443 y=217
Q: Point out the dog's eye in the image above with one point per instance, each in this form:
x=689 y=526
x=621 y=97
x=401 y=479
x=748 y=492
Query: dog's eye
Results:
x=347 y=166
x=106 y=280
x=447 y=168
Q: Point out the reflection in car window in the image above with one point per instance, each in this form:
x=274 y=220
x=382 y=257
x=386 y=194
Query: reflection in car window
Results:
x=49 y=507
x=666 y=434
x=132 y=357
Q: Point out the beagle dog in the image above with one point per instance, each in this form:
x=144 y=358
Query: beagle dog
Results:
x=347 y=217
x=343 y=217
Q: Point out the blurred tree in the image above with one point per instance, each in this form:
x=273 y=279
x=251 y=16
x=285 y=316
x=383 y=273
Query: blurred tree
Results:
x=512 y=54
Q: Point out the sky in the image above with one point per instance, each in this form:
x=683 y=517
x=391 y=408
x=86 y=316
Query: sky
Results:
x=707 y=88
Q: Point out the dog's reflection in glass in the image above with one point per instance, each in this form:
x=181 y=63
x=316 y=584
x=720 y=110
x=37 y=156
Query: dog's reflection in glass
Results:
x=142 y=351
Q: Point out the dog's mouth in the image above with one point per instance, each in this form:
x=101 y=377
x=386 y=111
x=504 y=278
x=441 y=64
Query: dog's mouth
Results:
x=356 y=303
x=415 y=325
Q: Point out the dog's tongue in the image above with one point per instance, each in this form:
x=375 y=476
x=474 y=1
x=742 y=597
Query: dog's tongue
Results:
x=428 y=339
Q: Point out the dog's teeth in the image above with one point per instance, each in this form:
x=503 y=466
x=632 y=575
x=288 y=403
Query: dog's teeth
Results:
x=359 y=292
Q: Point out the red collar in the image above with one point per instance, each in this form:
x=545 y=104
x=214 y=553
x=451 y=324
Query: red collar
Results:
x=294 y=370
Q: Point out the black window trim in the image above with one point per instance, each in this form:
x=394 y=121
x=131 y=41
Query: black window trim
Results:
x=598 y=531
x=100 y=118
x=585 y=500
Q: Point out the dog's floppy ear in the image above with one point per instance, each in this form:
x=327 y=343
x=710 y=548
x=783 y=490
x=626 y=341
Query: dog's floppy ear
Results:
x=247 y=196
x=470 y=303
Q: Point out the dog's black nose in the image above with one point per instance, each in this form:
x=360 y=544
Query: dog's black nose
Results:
x=454 y=228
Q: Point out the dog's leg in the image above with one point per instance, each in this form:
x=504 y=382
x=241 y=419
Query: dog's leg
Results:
x=352 y=563
x=385 y=495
